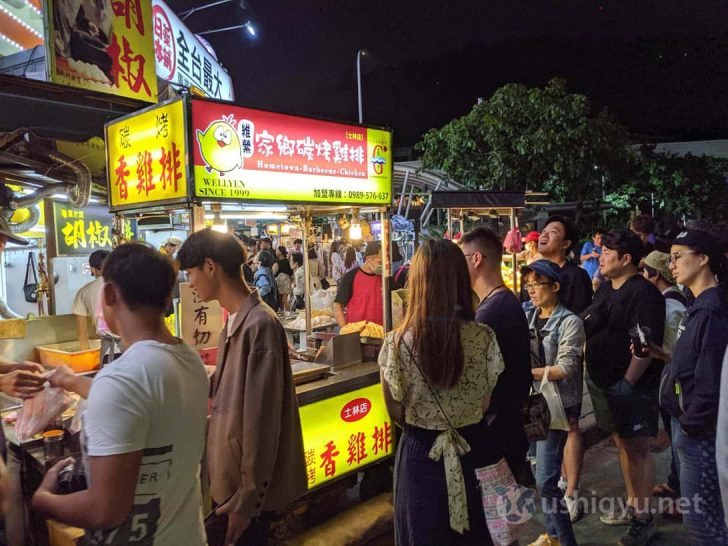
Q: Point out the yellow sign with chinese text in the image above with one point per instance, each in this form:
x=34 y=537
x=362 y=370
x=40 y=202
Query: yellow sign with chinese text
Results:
x=105 y=46
x=343 y=433
x=247 y=154
x=80 y=232
x=147 y=156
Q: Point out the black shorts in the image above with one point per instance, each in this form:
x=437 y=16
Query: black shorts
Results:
x=628 y=411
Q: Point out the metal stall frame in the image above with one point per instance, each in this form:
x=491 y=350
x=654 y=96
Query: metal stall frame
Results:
x=487 y=202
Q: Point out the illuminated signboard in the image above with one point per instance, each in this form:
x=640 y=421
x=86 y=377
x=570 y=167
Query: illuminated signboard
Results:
x=102 y=46
x=147 y=156
x=344 y=433
x=240 y=153
x=81 y=231
x=183 y=60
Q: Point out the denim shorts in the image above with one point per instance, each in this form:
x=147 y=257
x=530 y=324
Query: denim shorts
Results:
x=626 y=410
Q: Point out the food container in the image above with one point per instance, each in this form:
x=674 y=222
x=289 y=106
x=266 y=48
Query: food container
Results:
x=70 y=354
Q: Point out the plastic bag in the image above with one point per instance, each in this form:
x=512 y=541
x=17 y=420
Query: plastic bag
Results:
x=507 y=506
x=322 y=299
x=39 y=411
x=553 y=398
x=513 y=242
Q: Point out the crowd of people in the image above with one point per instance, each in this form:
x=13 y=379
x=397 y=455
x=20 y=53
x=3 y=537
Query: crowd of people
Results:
x=650 y=340
x=279 y=275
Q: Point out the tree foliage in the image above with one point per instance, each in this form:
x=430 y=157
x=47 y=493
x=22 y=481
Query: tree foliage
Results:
x=531 y=138
x=545 y=139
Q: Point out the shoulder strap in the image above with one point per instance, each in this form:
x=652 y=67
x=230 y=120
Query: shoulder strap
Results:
x=456 y=434
x=30 y=268
x=398 y=274
x=677 y=296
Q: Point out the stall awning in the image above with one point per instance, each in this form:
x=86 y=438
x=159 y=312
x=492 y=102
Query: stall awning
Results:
x=477 y=199
x=423 y=179
x=56 y=111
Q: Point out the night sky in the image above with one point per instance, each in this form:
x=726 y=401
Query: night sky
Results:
x=661 y=67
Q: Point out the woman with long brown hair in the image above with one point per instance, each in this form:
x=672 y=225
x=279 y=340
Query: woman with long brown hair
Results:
x=438 y=372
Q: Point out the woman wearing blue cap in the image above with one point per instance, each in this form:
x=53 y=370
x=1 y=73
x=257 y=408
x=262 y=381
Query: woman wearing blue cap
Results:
x=557 y=341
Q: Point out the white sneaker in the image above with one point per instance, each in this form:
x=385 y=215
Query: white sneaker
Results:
x=562 y=484
x=574 y=508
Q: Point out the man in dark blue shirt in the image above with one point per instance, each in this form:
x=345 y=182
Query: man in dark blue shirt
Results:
x=499 y=309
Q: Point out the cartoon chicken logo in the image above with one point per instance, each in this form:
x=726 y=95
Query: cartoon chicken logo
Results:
x=220 y=146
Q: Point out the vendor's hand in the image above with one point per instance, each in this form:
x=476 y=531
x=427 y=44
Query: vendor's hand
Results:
x=237 y=524
x=21 y=383
x=29 y=367
x=50 y=480
x=61 y=377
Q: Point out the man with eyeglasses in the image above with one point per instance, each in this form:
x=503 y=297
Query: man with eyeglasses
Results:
x=499 y=309
x=624 y=387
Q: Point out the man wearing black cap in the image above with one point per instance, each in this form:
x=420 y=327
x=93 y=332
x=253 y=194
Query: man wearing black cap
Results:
x=359 y=296
x=87 y=297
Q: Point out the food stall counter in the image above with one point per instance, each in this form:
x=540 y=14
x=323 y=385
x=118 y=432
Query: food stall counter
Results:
x=343 y=381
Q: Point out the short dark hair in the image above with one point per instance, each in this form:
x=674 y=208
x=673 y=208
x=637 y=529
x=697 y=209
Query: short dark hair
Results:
x=298 y=242
x=487 y=241
x=297 y=258
x=643 y=224
x=625 y=242
x=144 y=276
x=599 y=231
x=97 y=258
x=266 y=240
x=221 y=248
x=266 y=258
x=283 y=250
x=572 y=234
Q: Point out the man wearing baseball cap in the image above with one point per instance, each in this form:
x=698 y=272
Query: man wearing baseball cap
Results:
x=656 y=269
x=171 y=246
x=359 y=295
x=530 y=253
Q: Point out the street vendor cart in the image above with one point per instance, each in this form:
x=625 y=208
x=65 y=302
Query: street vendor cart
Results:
x=220 y=161
x=461 y=205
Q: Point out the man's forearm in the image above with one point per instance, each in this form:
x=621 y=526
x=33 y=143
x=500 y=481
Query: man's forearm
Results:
x=77 y=509
x=81 y=385
x=637 y=368
x=340 y=315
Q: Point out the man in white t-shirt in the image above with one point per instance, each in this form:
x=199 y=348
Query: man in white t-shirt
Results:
x=144 y=423
x=87 y=297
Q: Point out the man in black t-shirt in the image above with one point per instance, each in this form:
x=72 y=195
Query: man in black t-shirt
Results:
x=499 y=309
x=624 y=387
x=558 y=237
